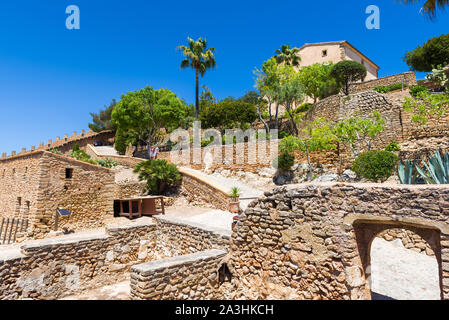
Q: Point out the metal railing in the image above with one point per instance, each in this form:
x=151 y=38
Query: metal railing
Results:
x=9 y=228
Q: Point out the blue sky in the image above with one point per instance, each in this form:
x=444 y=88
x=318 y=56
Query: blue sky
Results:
x=51 y=77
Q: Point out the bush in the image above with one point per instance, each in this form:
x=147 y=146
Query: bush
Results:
x=303 y=108
x=285 y=161
x=228 y=114
x=415 y=90
x=375 y=165
x=108 y=163
x=392 y=147
x=55 y=151
x=81 y=155
x=389 y=88
x=159 y=175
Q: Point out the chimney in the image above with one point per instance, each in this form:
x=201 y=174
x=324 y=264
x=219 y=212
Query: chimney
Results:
x=83 y=132
x=24 y=150
x=33 y=148
x=49 y=143
x=74 y=133
x=58 y=138
x=13 y=153
x=4 y=155
x=41 y=145
x=65 y=137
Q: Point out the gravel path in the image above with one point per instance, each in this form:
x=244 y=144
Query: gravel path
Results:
x=403 y=274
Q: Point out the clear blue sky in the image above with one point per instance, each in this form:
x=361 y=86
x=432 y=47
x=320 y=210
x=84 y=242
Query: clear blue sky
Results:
x=51 y=77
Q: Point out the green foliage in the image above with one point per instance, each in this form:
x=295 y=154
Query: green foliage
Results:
x=200 y=58
x=427 y=105
x=55 y=151
x=357 y=132
x=303 y=107
x=317 y=81
x=346 y=72
x=234 y=193
x=391 y=87
x=140 y=115
x=102 y=121
x=431 y=54
x=108 y=163
x=158 y=174
x=429 y=7
x=375 y=165
x=284 y=161
x=436 y=169
x=440 y=75
x=317 y=136
x=81 y=155
x=415 y=90
x=407 y=173
x=288 y=56
x=228 y=113
x=392 y=147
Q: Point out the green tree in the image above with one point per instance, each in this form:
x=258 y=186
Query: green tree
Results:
x=102 y=121
x=429 y=55
x=358 y=132
x=288 y=56
x=316 y=136
x=140 y=115
x=317 y=81
x=429 y=7
x=228 y=113
x=348 y=71
x=200 y=58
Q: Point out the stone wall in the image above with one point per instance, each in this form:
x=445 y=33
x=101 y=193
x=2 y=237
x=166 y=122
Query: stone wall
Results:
x=407 y=77
x=187 y=277
x=312 y=241
x=177 y=237
x=409 y=239
x=205 y=191
x=53 y=268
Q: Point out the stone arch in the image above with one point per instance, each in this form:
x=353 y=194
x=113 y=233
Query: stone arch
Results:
x=367 y=231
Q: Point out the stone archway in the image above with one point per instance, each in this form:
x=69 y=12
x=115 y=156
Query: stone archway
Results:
x=367 y=231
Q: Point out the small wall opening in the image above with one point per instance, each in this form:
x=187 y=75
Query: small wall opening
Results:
x=224 y=274
x=68 y=173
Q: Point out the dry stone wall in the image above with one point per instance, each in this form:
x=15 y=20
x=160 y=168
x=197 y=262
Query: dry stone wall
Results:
x=187 y=277
x=408 y=78
x=312 y=241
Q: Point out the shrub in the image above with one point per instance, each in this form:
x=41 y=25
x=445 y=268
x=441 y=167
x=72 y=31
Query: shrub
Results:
x=228 y=114
x=55 y=151
x=159 y=175
x=375 y=165
x=392 y=147
x=391 y=87
x=415 y=90
x=108 y=163
x=303 y=108
x=285 y=161
x=81 y=155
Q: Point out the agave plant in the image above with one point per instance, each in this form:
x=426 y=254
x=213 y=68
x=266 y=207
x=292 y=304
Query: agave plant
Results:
x=436 y=170
x=406 y=172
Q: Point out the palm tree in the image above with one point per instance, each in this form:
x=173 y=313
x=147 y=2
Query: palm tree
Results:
x=200 y=58
x=430 y=6
x=288 y=56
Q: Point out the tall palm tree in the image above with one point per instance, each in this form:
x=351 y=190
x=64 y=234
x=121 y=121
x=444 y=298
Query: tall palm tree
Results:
x=288 y=56
x=430 y=6
x=200 y=58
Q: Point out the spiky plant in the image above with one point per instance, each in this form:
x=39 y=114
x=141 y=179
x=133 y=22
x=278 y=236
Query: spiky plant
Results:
x=436 y=169
x=200 y=58
x=406 y=172
x=287 y=55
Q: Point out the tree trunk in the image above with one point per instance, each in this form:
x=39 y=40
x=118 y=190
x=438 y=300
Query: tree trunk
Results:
x=310 y=174
x=267 y=129
x=197 y=101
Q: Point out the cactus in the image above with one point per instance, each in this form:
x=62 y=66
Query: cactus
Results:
x=436 y=170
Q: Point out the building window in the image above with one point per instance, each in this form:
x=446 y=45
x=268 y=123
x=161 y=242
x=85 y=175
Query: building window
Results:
x=68 y=173
x=324 y=53
x=27 y=208
x=18 y=206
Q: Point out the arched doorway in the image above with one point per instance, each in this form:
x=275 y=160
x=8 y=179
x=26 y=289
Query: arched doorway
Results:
x=400 y=262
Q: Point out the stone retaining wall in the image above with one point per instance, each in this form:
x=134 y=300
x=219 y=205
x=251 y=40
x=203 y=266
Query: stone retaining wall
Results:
x=312 y=241
x=187 y=277
x=407 y=77
x=53 y=268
